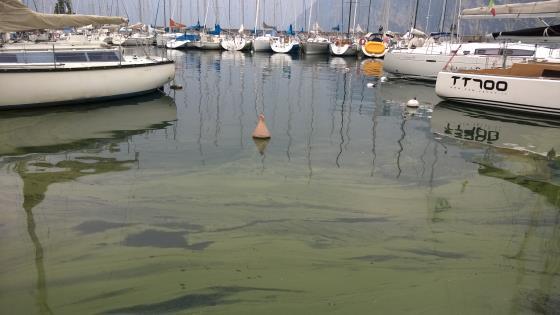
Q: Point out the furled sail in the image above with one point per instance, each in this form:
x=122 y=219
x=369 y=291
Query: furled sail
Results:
x=550 y=8
x=16 y=17
x=546 y=31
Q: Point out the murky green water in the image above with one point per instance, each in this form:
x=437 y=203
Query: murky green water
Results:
x=165 y=204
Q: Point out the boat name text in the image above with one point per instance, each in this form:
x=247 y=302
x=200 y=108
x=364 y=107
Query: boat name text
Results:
x=489 y=85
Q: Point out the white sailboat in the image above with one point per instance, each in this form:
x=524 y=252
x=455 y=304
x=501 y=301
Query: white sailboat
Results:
x=237 y=42
x=209 y=40
x=262 y=42
x=62 y=74
x=284 y=44
x=346 y=46
x=315 y=44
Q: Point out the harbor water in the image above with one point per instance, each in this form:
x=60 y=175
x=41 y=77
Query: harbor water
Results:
x=357 y=204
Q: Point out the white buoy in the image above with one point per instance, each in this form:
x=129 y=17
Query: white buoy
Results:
x=383 y=79
x=370 y=85
x=413 y=103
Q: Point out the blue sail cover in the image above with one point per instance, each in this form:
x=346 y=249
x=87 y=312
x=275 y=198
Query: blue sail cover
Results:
x=217 y=30
x=188 y=37
x=196 y=27
x=290 y=30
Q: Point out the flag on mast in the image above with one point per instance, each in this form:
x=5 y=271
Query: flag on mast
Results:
x=491 y=7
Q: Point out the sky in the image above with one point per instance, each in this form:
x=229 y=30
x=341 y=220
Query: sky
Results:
x=281 y=13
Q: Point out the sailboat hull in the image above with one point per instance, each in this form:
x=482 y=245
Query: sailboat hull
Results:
x=315 y=48
x=261 y=44
x=284 y=45
x=45 y=87
x=502 y=92
x=236 y=44
x=426 y=66
x=343 y=50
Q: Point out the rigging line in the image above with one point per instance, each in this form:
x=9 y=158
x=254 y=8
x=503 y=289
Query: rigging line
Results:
x=368 y=16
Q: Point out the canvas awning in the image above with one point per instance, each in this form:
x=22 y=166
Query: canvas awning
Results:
x=538 y=9
x=16 y=17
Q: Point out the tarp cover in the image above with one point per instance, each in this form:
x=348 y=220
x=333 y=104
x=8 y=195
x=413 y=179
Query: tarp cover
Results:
x=16 y=17
x=538 y=7
x=547 y=31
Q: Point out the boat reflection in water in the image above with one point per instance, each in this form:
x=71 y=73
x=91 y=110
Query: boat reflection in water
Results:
x=520 y=149
x=47 y=147
x=57 y=129
x=511 y=131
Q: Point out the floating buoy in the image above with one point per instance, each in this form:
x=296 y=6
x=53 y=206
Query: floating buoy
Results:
x=383 y=79
x=176 y=87
x=261 y=132
x=370 y=85
x=413 y=103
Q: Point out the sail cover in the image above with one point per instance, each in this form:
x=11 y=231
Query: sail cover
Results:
x=550 y=8
x=16 y=17
x=547 y=31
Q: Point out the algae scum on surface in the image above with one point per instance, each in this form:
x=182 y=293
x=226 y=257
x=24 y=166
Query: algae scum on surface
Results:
x=355 y=205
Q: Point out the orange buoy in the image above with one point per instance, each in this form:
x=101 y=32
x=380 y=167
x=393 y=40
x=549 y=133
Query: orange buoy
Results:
x=261 y=132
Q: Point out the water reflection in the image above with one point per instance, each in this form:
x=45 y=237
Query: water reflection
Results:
x=503 y=130
x=66 y=128
x=193 y=216
x=50 y=140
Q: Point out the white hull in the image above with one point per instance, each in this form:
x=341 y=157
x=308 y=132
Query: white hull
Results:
x=163 y=39
x=343 y=50
x=59 y=86
x=262 y=44
x=237 y=43
x=315 y=48
x=177 y=44
x=427 y=66
x=533 y=95
x=282 y=46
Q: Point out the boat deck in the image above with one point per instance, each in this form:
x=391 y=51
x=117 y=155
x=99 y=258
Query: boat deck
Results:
x=529 y=70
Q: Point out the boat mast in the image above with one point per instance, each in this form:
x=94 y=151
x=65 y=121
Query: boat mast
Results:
x=428 y=16
x=341 y=16
x=164 y=15
x=442 y=19
x=304 y=16
x=415 y=15
x=180 y=11
x=355 y=13
x=257 y=17
x=140 y=17
x=310 y=12
x=206 y=14
x=386 y=9
x=349 y=17
x=368 y=16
